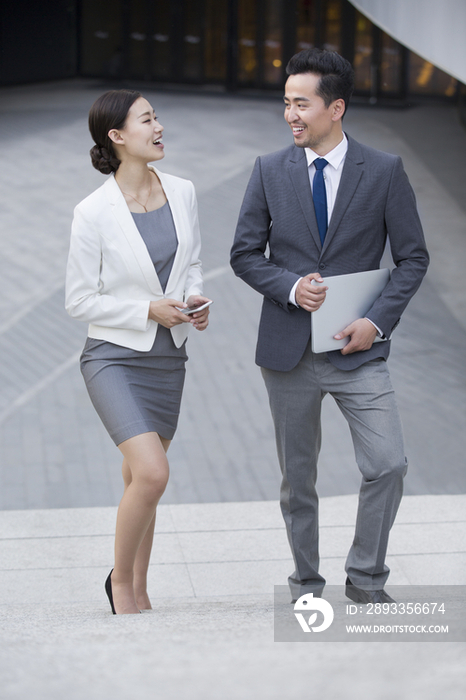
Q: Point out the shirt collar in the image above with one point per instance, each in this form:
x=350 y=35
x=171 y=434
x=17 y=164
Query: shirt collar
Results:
x=334 y=158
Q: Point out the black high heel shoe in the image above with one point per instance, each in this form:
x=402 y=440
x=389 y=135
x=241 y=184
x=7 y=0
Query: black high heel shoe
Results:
x=108 y=590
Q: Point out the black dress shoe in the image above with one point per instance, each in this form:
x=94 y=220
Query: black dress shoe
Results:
x=108 y=590
x=361 y=596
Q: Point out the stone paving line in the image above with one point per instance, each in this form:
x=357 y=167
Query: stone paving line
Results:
x=53 y=450
x=211 y=633
x=204 y=550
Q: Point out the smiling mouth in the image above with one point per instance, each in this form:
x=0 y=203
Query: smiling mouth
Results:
x=297 y=130
x=158 y=142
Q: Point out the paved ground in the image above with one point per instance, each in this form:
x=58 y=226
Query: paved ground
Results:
x=211 y=633
x=53 y=451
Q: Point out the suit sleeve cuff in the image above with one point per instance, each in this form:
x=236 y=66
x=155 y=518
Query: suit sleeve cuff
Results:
x=292 y=297
x=379 y=332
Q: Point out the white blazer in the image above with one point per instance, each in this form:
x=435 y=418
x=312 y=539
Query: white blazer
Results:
x=110 y=277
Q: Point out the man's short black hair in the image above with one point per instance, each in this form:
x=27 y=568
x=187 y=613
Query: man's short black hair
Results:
x=336 y=73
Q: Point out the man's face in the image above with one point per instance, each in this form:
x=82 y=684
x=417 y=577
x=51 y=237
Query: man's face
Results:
x=313 y=124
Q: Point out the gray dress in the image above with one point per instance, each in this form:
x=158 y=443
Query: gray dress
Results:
x=138 y=392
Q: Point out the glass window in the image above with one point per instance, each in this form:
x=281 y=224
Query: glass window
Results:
x=193 y=39
x=332 y=10
x=138 y=39
x=161 y=41
x=215 y=39
x=247 y=62
x=390 y=68
x=306 y=24
x=363 y=47
x=272 y=49
x=426 y=79
x=101 y=40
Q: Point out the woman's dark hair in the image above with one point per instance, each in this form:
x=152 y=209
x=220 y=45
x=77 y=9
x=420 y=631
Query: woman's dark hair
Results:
x=336 y=73
x=108 y=112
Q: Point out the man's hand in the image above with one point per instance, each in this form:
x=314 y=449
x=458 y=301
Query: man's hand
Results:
x=310 y=297
x=362 y=334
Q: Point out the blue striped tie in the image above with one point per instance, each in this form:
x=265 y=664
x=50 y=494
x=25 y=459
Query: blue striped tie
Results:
x=320 y=197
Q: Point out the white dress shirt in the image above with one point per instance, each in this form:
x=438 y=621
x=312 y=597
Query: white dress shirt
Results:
x=332 y=177
x=332 y=171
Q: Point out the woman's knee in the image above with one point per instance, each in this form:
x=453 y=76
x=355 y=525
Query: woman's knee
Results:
x=152 y=481
x=146 y=464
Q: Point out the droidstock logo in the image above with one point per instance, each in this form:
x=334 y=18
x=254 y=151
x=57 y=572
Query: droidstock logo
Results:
x=307 y=603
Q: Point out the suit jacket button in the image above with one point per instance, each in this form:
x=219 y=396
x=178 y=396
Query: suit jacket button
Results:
x=322 y=266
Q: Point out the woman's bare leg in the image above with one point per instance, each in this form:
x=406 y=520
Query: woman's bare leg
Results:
x=141 y=563
x=144 y=457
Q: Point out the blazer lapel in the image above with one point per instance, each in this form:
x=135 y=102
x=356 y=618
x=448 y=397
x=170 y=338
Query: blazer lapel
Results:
x=350 y=176
x=126 y=222
x=182 y=225
x=298 y=172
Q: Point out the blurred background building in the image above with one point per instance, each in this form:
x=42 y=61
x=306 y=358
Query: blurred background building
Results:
x=231 y=45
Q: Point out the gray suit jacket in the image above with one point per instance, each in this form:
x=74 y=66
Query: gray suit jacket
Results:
x=277 y=242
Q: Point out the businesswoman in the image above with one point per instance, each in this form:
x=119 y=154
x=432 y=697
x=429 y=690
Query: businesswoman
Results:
x=133 y=263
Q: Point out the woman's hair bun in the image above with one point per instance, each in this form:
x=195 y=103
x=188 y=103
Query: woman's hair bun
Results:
x=108 y=112
x=103 y=161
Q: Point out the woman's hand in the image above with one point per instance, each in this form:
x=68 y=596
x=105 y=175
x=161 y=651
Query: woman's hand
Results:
x=199 y=319
x=166 y=313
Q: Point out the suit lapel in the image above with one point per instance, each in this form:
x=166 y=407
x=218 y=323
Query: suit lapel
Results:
x=298 y=172
x=350 y=176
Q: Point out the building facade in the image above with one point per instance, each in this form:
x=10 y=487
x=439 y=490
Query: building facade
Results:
x=233 y=45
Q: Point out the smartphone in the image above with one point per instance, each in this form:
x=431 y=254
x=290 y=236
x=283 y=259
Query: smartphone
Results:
x=192 y=309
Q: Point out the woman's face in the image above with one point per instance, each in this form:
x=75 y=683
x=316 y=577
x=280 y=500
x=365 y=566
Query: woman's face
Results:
x=141 y=137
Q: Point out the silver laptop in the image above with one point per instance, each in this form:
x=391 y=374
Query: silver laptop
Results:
x=349 y=297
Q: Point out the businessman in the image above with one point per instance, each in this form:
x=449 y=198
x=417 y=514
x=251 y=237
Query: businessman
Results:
x=325 y=206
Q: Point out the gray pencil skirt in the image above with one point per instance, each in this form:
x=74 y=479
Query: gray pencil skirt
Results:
x=135 y=392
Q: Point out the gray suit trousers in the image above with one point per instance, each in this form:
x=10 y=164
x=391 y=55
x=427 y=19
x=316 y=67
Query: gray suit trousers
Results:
x=366 y=399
